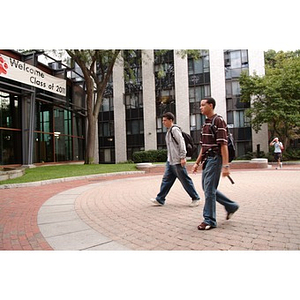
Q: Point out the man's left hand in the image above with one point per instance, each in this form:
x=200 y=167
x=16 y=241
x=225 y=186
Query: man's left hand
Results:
x=183 y=162
x=225 y=171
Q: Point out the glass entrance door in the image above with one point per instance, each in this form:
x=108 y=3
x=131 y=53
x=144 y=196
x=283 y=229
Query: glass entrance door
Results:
x=10 y=129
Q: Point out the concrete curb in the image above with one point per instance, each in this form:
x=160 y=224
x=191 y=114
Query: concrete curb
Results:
x=58 y=180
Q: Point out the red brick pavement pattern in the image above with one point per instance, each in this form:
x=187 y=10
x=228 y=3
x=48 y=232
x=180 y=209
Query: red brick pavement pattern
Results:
x=19 y=209
x=268 y=218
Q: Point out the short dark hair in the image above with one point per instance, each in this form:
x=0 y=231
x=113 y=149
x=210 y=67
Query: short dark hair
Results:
x=169 y=116
x=210 y=100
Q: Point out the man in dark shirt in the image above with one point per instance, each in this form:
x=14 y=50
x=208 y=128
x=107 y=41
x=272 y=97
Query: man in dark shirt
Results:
x=214 y=159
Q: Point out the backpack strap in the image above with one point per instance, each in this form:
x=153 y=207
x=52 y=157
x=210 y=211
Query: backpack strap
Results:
x=213 y=126
x=172 y=133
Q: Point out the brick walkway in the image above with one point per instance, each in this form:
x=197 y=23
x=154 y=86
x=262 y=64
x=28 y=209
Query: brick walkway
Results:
x=19 y=209
x=118 y=209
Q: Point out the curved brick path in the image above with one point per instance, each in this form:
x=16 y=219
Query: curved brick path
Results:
x=19 y=209
x=267 y=219
x=115 y=213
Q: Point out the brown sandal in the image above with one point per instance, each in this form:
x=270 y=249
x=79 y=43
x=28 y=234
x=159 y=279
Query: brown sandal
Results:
x=204 y=226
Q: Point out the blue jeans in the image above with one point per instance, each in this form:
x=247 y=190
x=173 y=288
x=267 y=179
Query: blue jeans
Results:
x=210 y=181
x=171 y=173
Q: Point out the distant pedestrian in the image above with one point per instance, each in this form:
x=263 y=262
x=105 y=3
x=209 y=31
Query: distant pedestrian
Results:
x=278 y=147
x=214 y=159
x=176 y=164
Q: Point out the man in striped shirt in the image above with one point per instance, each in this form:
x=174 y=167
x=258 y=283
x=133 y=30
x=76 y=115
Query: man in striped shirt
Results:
x=214 y=159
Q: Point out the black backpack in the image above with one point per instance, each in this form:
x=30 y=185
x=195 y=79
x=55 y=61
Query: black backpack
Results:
x=230 y=140
x=189 y=142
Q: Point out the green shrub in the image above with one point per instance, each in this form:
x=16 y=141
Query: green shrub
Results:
x=291 y=154
x=288 y=154
x=150 y=156
x=251 y=155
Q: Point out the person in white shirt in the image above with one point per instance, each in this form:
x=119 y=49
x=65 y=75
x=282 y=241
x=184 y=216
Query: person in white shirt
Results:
x=278 y=147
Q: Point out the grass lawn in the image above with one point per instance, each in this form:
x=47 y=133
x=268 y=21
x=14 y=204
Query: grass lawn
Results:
x=61 y=171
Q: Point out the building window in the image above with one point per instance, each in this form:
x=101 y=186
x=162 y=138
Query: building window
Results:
x=10 y=129
x=233 y=88
x=10 y=147
x=235 y=62
x=196 y=122
x=196 y=94
x=164 y=81
x=198 y=69
x=134 y=100
x=106 y=129
x=135 y=127
x=9 y=111
x=238 y=118
x=199 y=87
x=107 y=104
x=133 y=67
x=200 y=65
x=159 y=125
x=44 y=136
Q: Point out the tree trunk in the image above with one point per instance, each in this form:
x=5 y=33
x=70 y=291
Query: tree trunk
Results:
x=91 y=123
x=90 y=142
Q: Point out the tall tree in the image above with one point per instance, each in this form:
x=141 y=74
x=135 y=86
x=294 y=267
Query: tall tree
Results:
x=97 y=67
x=275 y=97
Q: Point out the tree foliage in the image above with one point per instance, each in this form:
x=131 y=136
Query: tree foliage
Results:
x=275 y=97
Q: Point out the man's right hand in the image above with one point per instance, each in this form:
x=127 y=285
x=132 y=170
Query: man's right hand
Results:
x=195 y=168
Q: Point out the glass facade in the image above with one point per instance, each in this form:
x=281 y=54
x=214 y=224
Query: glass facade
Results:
x=236 y=62
x=134 y=102
x=199 y=87
x=10 y=129
x=164 y=90
x=55 y=138
x=59 y=131
x=106 y=127
x=37 y=126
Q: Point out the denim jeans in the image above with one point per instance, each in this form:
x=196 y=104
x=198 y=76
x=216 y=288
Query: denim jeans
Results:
x=171 y=173
x=210 y=181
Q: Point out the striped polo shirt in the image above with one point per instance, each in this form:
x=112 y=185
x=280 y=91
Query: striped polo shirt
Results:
x=208 y=140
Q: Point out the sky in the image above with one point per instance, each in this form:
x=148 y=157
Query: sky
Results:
x=230 y=24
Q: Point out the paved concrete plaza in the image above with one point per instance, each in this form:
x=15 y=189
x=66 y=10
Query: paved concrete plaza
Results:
x=115 y=213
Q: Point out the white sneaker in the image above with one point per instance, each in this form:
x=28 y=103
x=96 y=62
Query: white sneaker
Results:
x=155 y=202
x=195 y=203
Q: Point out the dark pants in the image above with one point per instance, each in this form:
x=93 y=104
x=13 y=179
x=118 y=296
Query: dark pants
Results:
x=171 y=173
